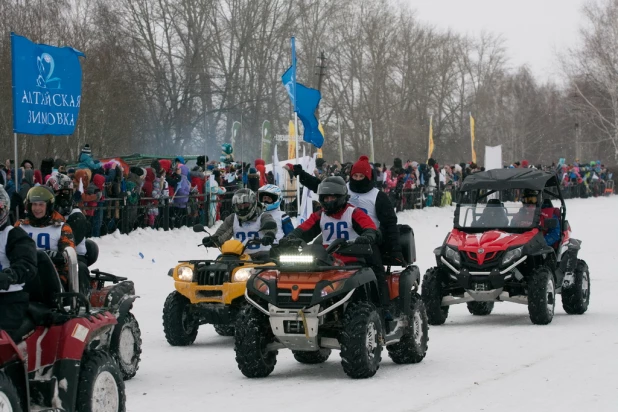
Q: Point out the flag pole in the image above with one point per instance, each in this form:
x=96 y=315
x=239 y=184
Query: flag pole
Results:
x=371 y=153
x=297 y=162
x=16 y=173
x=340 y=142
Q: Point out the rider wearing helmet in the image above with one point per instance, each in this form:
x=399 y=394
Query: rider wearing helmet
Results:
x=47 y=228
x=64 y=193
x=244 y=224
x=270 y=197
x=338 y=219
x=17 y=267
x=531 y=212
x=375 y=203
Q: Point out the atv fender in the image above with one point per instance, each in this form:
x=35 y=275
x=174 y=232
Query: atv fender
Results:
x=118 y=292
x=407 y=280
x=125 y=304
x=366 y=279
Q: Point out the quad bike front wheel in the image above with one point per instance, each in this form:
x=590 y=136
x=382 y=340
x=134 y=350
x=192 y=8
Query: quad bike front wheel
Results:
x=541 y=296
x=126 y=345
x=251 y=338
x=480 y=308
x=100 y=388
x=412 y=347
x=224 y=330
x=431 y=292
x=576 y=296
x=179 y=325
x=361 y=340
x=312 y=358
x=9 y=398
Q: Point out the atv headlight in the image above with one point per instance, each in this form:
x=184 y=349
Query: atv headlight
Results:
x=185 y=273
x=511 y=255
x=453 y=255
x=241 y=275
x=300 y=259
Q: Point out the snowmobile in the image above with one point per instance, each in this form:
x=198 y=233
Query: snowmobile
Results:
x=209 y=291
x=63 y=360
x=117 y=294
x=311 y=303
x=493 y=256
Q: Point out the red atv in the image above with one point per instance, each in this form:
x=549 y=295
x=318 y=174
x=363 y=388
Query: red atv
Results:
x=311 y=303
x=63 y=362
x=117 y=294
x=497 y=251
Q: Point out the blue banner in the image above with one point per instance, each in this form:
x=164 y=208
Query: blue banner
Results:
x=47 y=87
x=305 y=101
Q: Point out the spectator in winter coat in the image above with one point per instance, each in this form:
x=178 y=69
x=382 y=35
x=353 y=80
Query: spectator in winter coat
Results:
x=253 y=180
x=214 y=188
x=86 y=161
x=260 y=166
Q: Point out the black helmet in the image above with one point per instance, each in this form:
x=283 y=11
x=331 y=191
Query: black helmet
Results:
x=5 y=206
x=40 y=194
x=530 y=196
x=333 y=186
x=62 y=185
x=244 y=204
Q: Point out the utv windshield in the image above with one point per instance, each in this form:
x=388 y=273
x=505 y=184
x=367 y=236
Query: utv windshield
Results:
x=510 y=216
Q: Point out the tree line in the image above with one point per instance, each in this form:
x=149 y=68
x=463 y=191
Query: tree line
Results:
x=170 y=77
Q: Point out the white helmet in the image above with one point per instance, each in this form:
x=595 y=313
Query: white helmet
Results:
x=274 y=193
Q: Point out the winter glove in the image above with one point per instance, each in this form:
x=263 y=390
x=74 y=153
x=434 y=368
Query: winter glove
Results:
x=56 y=257
x=208 y=241
x=7 y=278
x=298 y=169
x=363 y=240
x=268 y=239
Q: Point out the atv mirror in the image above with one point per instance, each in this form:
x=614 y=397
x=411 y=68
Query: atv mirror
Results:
x=198 y=228
x=550 y=223
x=268 y=226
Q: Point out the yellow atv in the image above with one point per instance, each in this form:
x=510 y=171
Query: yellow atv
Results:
x=209 y=291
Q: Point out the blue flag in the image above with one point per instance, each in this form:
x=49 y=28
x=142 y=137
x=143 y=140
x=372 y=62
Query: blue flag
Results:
x=305 y=101
x=47 y=87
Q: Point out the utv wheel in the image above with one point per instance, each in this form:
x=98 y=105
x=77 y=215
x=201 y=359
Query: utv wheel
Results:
x=361 y=340
x=178 y=323
x=252 y=335
x=431 y=292
x=101 y=388
x=224 y=330
x=412 y=347
x=126 y=345
x=9 y=398
x=541 y=296
x=576 y=297
x=312 y=358
x=480 y=308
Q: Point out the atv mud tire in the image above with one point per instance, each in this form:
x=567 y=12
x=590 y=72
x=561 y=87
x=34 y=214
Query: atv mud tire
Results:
x=576 y=297
x=224 y=330
x=100 y=384
x=412 y=347
x=9 y=398
x=178 y=323
x=312 y=358
x=126 y=345
x=431 y=292
x=252 y=335
x=541 y=296
x=361 y=340
x=480 y=308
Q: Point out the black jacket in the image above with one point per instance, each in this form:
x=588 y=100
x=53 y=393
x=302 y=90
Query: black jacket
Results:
x=21 y=252
x=384 y=210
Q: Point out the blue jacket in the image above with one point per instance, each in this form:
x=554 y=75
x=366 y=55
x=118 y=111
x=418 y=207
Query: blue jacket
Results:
x=86 y=162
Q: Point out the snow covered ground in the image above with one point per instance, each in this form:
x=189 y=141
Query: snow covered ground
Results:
x=499 y=362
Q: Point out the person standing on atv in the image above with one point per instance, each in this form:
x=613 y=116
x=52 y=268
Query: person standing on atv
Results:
x=245 y=224
x=339 y=219
x=526 y=215
x=17 y=267
x=48 y=228
x=270 y=197
x=64 y=194
x=375 y=203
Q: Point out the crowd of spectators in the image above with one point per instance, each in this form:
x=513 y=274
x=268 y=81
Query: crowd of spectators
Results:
x=170 y=193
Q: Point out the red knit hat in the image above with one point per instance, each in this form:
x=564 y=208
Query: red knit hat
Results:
x=362 y=166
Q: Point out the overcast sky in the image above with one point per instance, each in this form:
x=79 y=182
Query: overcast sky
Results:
x=534 y=30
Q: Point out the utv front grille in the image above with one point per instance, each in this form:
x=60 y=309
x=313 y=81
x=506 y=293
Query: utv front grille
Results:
x=212 y=277
x=284 y=299
x=491 y=259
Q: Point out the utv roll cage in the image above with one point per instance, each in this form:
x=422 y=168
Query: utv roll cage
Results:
x=476 y=188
